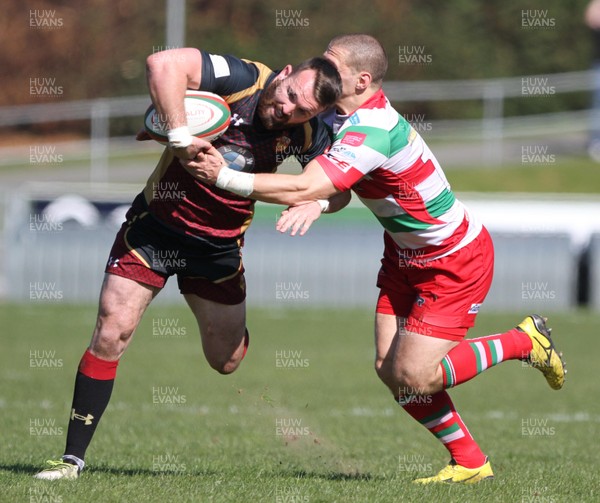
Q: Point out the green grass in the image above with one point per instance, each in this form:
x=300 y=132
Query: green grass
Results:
x=567 y=175
x=352 y=443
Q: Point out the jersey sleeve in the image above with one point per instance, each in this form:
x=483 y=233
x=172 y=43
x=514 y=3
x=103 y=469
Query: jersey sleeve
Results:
x=225 y=75
x=355 y=152
x=318 y=139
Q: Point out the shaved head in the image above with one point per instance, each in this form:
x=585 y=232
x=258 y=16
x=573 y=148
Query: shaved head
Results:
x=362 y=52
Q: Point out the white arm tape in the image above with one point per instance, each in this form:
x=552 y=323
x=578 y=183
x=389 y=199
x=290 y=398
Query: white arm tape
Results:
x=324 y=204
x=180 y=137
x=234 y=181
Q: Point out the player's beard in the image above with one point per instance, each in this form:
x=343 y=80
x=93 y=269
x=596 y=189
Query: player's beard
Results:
x=267 y=107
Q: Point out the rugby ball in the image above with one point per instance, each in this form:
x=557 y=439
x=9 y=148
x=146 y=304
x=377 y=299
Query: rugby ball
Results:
x=207 y=117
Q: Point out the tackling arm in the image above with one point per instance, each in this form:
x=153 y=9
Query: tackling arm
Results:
x=339 y=201
x=301 y=191
x=312 y=184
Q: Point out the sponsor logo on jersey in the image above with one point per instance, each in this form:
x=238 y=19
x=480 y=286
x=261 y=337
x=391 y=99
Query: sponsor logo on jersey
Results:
x=474 y=309
x=236 y=120
x=237 y=158
x=354 y=139
x=343 y=151
x=338 y=163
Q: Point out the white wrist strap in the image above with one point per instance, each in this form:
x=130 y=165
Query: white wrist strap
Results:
x=234 y=181
x=324 y=204
x=180 y=137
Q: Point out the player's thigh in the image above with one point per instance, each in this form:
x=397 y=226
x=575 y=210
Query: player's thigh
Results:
x=122 y=304
x=386 y=336
x=394 y=343
x=222 y=327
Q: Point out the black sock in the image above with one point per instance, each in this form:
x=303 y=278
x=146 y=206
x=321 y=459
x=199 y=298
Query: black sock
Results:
x=90 y=398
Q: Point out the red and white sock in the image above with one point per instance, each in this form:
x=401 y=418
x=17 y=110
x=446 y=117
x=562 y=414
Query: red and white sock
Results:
x=472 y=356
x=438 y=415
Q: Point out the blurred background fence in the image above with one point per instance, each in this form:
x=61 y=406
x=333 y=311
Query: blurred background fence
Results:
x=490 y=131
x=547 y=251
x=57 y=235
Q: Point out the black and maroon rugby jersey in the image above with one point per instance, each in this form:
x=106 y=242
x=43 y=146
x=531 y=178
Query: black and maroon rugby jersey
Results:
x=178 y=201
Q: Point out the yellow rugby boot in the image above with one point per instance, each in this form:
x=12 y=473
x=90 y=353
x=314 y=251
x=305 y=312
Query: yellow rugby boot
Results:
x=456 y=474
x=544 y=356
x=58 y=470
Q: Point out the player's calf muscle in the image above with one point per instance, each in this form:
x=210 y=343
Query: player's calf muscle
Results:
x=226 y=367
x=224 y=362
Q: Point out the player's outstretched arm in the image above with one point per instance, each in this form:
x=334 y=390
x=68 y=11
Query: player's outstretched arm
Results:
x=338 y=201
x=311 y=185
x=308 y=194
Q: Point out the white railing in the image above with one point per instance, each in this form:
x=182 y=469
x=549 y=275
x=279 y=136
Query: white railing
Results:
x=489 y=89
x=490 y=129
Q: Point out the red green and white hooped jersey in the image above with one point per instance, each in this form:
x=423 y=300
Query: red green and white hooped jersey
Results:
x=380 y=156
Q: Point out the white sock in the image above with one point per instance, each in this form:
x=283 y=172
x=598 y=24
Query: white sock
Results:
x=79 y=462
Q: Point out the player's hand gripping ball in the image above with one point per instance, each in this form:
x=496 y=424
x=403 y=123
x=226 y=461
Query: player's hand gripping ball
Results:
x=207 y=117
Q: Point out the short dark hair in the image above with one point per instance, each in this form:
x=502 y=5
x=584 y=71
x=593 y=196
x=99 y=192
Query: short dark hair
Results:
x=362 y=52
x=328 y=83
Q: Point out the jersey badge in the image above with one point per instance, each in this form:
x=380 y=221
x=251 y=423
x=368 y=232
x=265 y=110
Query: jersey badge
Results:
x=353 y=139
x=282 y=143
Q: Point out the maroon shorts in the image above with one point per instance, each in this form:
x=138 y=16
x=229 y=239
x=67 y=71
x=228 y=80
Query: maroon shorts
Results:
x=147 y=252
x=439 y=297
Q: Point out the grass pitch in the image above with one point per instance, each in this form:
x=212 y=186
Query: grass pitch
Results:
x=304 y=419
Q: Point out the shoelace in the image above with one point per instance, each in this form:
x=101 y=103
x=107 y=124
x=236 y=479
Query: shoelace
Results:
x=56 y=464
